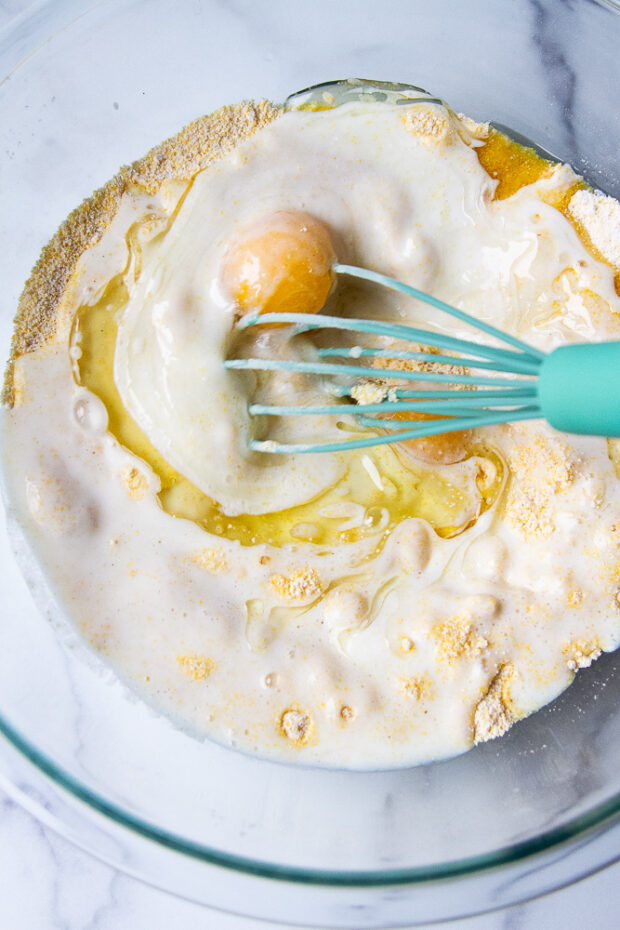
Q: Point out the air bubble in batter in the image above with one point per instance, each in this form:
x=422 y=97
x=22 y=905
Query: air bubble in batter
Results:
x=90 y=413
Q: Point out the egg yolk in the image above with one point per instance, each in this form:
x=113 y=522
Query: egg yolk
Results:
x=280 y=263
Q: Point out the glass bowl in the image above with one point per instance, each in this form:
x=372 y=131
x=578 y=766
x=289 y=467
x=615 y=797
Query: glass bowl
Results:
x=89 y=87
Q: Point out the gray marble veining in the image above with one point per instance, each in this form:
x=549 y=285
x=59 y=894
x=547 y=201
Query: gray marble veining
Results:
x=560 y=75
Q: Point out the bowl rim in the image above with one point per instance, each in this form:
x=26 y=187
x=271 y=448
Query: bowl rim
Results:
x=602 y=815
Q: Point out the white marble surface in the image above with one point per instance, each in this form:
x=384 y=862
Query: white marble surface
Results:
x=48 y=884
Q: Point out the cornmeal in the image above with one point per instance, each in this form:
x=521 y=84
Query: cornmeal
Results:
x=392 y=606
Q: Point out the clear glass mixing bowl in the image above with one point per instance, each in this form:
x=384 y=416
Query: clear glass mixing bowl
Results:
x=89 y=87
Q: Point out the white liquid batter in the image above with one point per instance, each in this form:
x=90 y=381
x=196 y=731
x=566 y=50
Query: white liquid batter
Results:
x=401 y=644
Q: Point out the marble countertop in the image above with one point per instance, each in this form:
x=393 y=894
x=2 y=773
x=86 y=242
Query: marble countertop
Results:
x=48 y=884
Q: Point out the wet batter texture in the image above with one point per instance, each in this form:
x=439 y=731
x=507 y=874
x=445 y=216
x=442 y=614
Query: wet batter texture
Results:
x=375 y=608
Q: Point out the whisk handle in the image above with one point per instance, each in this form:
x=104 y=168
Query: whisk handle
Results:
x=579 y=388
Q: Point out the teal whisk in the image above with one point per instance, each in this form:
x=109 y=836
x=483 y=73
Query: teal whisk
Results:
x=576 y=388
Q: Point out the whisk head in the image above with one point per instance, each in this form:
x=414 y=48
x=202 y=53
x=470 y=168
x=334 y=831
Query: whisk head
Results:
x=494 y=398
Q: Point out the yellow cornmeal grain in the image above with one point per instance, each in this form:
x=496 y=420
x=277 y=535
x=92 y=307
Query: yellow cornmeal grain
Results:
x=177 y=159
x=406 y=645
x=493 y=715
x=420 y=689
x=534 y=488
x=574 y=597
x=407 y=364
x=581 y=653
x=296 y=726
x=301 y=585
x=211 y=560
x=477 y=130
x=347 y=713
x=136 y=481
x=198 y=668
x=457 y=637
x=369 y=392
x=427 y=123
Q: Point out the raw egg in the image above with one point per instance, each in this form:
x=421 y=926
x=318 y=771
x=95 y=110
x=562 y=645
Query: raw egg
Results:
x=280 y=263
